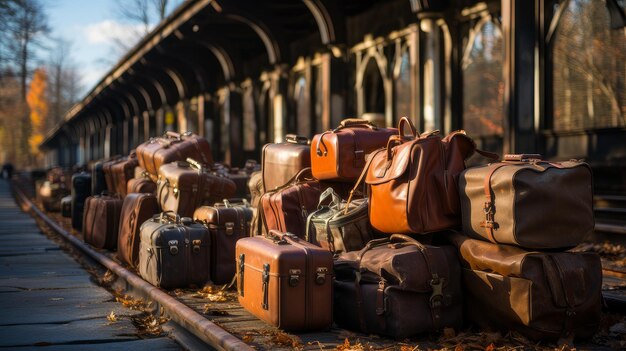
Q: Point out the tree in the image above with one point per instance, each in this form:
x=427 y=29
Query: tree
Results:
x=38 y=103
x=12 y=107
x=64 y=82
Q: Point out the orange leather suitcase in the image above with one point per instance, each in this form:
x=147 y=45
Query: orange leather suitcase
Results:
x=285 y=281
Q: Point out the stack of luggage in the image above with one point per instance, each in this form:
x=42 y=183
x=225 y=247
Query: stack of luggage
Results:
x=377 y=230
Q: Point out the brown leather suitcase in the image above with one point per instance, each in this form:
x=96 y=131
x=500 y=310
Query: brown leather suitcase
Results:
x=543 y=295
x=285 y=281
x=528 y=202
x=226 y=223
x=174 y=252
x=173 y=147
x=122 y=172
x=286 y=208
x=280 y=162
x=184 y=186
x=340 y=154
x=108 y=173
x=101 y=221
x=136 y=209
x=398 y=287
x=141 y=185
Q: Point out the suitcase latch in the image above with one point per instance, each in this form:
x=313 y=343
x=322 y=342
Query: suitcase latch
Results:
x=266 y=282
x=320 y=276
x=241 y=265
x=173 y=244
x=294 y=277
x=230 y=228
x=196 y=246
x=436 y=298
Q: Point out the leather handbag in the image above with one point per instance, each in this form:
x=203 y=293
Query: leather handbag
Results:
x=184 y=186
x=543 y=295
x=122 y=172
x=136 y=209
x=528 y=202
x=142 y=184
x=226 y=223
x=286 y=208
x=174 y=252
x=101 y=221
x=412 y=182
x=173 y=147
x=285 y=281
x=340 y=154
x=282 y=161
x=398 y=287
x=332 y=228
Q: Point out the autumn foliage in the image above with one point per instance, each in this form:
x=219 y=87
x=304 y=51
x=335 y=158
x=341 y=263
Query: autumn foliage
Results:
x=38 y=103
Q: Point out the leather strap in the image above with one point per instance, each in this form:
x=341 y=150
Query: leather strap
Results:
x=359 y=301
x=381 y=306
x=361 y=177
x=489 y=209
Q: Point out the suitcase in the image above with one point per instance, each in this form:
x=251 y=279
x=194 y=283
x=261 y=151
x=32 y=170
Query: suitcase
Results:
x=108 y=173
x=542 y=295
x=136 y=209
x=508 y=202
x=398 y=287
x=141 y=185
x=339 y=154
x=226 y=223
x=101 y=221
x=174 y=253
x=122 y=172
x=286 y=208
x=285 y=281
x=66 y=206
x=98 y=181
x=281 y=162
x=173 y=147
x=81 y=190
x=184 y=186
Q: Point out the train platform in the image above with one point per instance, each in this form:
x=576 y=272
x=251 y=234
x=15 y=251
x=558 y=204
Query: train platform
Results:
x=48 y=299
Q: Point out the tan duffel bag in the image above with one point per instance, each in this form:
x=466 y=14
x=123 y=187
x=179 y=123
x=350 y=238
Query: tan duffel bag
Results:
x=528 y=202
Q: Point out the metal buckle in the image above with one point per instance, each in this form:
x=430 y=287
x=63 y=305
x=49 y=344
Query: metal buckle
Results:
x=436 y=297
x=320 y=276
x=229 y=228
x=294 y=277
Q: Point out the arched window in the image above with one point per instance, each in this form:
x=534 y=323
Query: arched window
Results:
x=402 y=85
x=483 y=81
x=588 y=68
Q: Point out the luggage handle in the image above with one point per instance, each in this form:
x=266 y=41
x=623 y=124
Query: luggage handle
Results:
x=522 y=157
x=355 y=122
x=406 y=121
x=296 y=139
x=195 y=164
x=335 y=199
x=176 y=135
x=169 y=214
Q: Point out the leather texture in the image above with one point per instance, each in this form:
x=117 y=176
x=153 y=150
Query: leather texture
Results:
x=340 y=154
x=286 y=208
x=281 y=162
x=533 y=204
x=174 y=254
x=338 y=230
x=182 y=187
x=101 y=221
x=122 y=172
x=80 y=191
x=226 y=223
x=398 y=287
x=285 y=281
x=136 y=209
x=108 y=173
x=543 y=295
x=413 y=182
x=141 y=185
x=173 y=147
x=255 y=184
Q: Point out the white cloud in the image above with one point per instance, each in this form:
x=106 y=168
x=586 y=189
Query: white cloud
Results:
x=110 y=31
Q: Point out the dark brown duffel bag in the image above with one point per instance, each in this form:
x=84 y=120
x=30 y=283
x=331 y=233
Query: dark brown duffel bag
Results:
x=173 y=147
x=286 y=208
x=340 y=154
x=101 y=221
x=226 y=223
x=141 y=185
x=122 y=172
x=398 y=287
x=174 y=253
x=281 y=162
x=543 y=295
x=528 y=202
x=285 y=281
x=136 y=209
x=184 y=186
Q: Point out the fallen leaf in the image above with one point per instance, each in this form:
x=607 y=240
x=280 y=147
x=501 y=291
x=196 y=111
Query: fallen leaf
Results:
x=112 y=317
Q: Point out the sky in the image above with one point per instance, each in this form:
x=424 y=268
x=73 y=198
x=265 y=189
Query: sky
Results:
x=90 y=26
